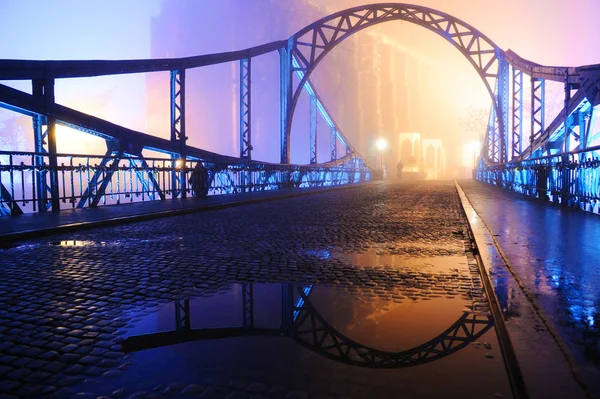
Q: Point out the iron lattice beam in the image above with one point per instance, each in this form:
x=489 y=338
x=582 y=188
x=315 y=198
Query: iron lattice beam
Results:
x=178 y=137
x=248 y=305
x=538 y=113
x=245 y=109
x=182 y=316
x=517 y=112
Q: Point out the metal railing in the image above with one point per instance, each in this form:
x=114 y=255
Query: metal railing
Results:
x=95 y=180
x=571 y=178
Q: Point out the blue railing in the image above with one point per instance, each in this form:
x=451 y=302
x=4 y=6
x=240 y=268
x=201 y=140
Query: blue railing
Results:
x=95 y=180
x=571 y=178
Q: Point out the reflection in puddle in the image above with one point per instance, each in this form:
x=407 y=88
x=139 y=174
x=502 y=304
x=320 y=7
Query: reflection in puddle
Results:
x=376 y=332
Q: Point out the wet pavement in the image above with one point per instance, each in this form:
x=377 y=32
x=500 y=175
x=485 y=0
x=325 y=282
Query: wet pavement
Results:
x=395 y=307
x=549 y=286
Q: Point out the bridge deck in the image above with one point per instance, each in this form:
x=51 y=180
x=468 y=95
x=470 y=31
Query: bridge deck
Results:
x=389 y=265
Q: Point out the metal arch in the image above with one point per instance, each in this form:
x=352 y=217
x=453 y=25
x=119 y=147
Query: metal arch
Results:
x=310 y=45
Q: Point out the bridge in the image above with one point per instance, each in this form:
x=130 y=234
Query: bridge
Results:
x=556 y=162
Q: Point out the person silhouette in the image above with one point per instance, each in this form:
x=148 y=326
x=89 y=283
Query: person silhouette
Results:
x=399 y=167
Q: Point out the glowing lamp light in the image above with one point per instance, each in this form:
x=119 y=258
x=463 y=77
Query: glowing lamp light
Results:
x=381 y=144
x=179 y=163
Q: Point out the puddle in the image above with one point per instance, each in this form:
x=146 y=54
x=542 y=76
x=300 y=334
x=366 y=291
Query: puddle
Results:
x=313 y=339
x=382 y=321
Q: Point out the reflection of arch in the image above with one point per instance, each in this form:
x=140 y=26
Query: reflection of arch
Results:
x=309 y=46
x=406 y=152
x=430 y=157
x=302 y=322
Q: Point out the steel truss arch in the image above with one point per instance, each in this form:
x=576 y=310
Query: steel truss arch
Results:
x=310 y=45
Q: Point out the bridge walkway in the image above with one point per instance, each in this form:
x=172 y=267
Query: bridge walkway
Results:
x=544 y=261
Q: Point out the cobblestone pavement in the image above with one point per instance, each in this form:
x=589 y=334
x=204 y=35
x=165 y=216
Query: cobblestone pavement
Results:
x=67 y=300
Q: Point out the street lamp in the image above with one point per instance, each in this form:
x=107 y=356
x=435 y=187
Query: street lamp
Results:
x=381 y=144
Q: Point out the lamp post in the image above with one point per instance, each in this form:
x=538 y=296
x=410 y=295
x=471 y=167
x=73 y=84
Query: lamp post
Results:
x=381 y=144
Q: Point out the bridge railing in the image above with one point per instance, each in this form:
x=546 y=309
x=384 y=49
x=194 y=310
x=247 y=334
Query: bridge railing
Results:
x=95 y=180
x=571 y=178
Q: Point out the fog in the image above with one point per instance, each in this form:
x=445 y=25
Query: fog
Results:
x=418 y=81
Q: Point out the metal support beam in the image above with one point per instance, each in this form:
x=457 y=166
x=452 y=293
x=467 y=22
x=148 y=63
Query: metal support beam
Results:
x=313 y=129
x=40 y=136
x=503 y=82
x=178 y=129
x=245 y=109
x=45 y=89
x=492 y=137
x=538 y=114
x=9 y=201
x=182 y=316
x=287 y=309
x=285 y=87
x=248 y=305
x=333 y=143
x=102 y=177
x=151 y=179
x=517 y=113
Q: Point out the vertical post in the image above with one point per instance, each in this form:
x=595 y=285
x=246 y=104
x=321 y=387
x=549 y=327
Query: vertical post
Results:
x=48 y=92
x=248 y=305
x=566 y=123
x=517 y=114
x=313 y=129
x=492 y=143
x=178 y=129
x=333 y=143
x=40 y=135
x=245 y=109
x=285 y=75
x=287 y=309
x=182 y=321
x=503 y=73
x=538 y=94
